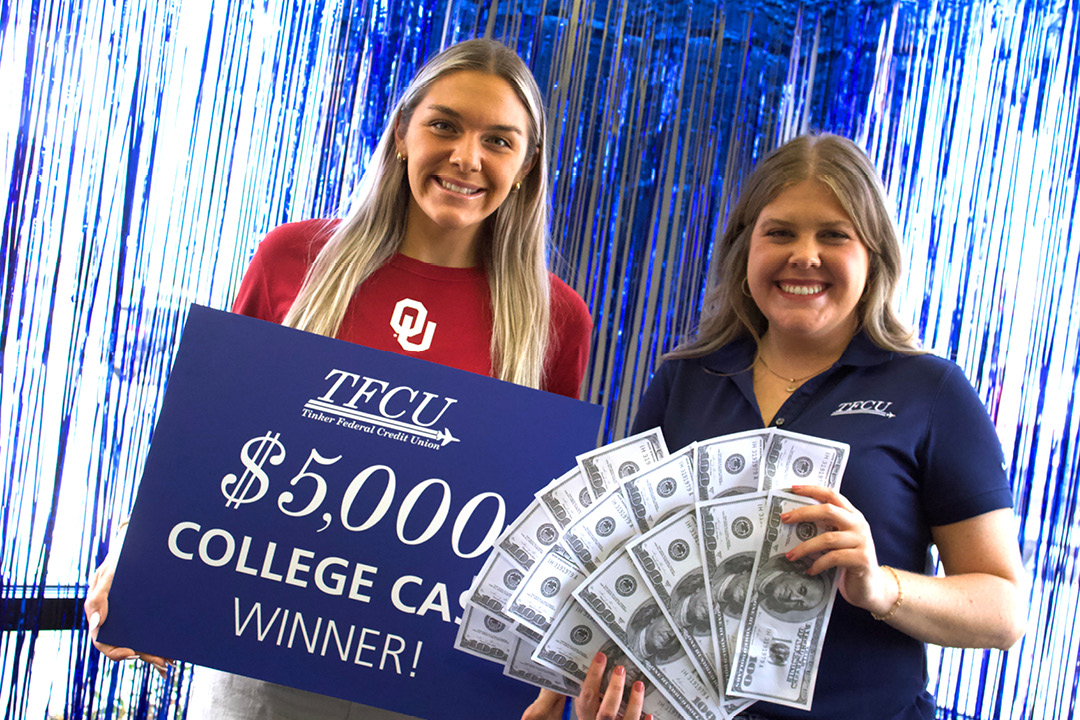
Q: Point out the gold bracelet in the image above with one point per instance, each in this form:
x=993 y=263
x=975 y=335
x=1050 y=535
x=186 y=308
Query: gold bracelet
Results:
x=899 y=597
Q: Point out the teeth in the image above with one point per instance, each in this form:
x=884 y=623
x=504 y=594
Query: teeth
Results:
x=802 y=289
x=457 y=188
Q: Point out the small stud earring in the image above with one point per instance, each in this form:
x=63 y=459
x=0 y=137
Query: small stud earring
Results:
x=517 y=187
x=401 y=158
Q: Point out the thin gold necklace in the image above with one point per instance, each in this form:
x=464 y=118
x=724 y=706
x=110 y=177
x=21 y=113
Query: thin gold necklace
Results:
x=793 y=383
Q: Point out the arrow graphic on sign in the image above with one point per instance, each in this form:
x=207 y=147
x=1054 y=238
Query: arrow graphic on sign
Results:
x=444 y=436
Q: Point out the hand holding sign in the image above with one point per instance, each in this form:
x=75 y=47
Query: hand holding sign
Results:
x=96 y=609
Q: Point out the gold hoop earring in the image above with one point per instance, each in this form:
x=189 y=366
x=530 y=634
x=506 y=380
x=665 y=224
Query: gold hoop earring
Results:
x=746 y=287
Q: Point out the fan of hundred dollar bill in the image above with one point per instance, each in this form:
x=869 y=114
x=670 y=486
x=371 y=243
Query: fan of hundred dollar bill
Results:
x=674 y=566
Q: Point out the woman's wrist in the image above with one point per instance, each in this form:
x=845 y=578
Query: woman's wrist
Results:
x=898 y=598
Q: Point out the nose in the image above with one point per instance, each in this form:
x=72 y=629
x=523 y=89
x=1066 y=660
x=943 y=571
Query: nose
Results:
x=466 y=155
x=805 y=252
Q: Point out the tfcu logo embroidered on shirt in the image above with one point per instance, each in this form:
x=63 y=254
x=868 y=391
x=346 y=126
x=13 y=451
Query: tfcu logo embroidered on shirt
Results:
x=865 y=407
x=410 y=321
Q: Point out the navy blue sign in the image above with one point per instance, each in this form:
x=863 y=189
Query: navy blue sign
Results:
x=312 y=511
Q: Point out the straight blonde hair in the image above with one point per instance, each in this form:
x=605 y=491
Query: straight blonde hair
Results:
x=838 y=163
x=514 y=242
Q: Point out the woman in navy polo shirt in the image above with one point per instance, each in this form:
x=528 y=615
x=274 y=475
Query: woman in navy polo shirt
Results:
x=799 y=332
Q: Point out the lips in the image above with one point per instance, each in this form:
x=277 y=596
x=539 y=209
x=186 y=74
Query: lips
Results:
x=458 y=188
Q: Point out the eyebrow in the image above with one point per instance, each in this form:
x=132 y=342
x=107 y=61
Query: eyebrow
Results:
x=785 y=221
x=455 y=114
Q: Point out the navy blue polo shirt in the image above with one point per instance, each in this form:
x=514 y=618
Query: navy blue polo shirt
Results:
x=923 y=453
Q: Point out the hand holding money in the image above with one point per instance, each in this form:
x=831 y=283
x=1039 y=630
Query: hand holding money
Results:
x=592 y=704
x=645 y=562
x=850 y=547
x=786 y=616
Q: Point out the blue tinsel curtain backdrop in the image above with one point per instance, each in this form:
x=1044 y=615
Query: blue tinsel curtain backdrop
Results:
x=147 y=145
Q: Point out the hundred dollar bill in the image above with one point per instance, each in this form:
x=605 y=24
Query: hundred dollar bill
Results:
x=544 y=589
x=606 y=466
x=485 y=636
x=617 y=597
x=601 y=530
x=655 y=704
x=521 y=667
x=573 y=641
x=786 y=615
x=529 y=536
x=496 y=583
x=729 y=464
x=794 y=459
x=731 y=530
x=566 y=498
x=527 y=632
x=661 y=489
x=669 y=560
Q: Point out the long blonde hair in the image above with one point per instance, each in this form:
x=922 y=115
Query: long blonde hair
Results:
x=730 y=313
x=514 y=243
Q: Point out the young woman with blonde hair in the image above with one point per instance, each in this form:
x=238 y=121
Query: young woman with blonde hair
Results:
x=443 y=257
x=799 y=333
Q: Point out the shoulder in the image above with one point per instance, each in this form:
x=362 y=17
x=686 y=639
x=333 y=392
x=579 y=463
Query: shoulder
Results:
x=930 y=376
x=918 y=375
x=298 y=241
x=569 y=314
x=279 y=267
x=932 y=388
x=729 y=359
x=687 y=393
x=566 y=304
x=734 y=357
x=570 y=336
x=672 y=377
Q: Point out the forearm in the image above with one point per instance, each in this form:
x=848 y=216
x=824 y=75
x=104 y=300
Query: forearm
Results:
x=973 y=610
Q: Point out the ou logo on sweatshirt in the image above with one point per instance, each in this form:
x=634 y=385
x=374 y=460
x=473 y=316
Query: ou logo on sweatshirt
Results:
x=410 y=321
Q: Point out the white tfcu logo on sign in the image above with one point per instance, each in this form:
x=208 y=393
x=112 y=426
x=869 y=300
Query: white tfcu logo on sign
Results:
x=374 y=406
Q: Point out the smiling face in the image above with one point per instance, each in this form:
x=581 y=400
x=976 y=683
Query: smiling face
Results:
x=807 y=266
x=466 y=145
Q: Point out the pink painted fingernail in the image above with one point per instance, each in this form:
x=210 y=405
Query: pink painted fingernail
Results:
x=620 y=670
x=599 y=657
x=639 y=686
